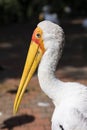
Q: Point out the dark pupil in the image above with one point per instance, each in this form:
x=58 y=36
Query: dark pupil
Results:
x=38 y=35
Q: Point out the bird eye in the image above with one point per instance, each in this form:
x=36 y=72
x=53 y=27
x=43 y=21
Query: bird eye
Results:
x=38 y=35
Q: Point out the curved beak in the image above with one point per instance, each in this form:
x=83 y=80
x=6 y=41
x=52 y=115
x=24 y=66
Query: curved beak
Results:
x=33 y=58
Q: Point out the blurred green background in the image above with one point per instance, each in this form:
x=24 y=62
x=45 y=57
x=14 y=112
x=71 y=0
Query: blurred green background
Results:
x=22 y=10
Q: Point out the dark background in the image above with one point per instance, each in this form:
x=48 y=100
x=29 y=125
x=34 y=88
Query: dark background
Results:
x=23 y=10
x=18 y=18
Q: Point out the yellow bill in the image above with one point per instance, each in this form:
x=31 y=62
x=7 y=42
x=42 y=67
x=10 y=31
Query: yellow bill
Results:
x=33 y=58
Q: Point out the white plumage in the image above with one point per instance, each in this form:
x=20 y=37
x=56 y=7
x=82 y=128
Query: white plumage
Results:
x=70 y=98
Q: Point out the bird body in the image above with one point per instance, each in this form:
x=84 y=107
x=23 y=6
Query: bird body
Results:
x=69 y=98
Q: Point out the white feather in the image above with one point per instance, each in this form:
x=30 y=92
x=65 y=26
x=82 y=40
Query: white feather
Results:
x=70 y=98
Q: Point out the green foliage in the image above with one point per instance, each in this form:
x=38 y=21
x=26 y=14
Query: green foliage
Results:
x=9 y=11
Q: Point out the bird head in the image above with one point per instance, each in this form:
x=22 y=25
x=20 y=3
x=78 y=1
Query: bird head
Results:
x=46 y=35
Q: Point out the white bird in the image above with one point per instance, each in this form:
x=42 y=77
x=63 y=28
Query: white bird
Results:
x=69 y=98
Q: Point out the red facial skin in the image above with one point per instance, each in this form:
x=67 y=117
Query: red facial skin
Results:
x=37 y=38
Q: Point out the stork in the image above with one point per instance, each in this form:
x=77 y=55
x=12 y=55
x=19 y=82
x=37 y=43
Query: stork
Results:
x=69 y=98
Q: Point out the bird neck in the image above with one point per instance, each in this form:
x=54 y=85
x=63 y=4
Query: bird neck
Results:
x=46 y=72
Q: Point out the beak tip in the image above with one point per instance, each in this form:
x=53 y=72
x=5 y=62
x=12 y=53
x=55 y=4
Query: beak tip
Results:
x=14 y=111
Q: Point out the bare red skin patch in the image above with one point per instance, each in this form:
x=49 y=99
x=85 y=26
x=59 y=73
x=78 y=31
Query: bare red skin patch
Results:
x=37 y=38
